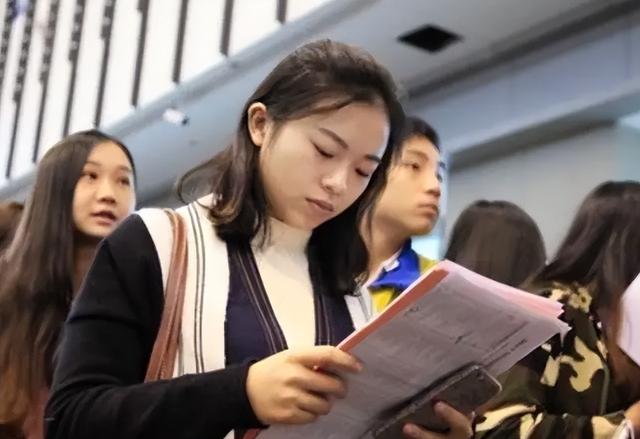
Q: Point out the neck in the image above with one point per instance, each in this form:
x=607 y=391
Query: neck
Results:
x=382 y=244
x=83 y=257
x=287 y=237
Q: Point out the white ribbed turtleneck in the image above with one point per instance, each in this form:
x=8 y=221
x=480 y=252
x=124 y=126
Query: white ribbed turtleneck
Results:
x=284 y=269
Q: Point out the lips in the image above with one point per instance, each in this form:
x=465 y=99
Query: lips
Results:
x=323 y=205
x=430 y=206
x=105 y=215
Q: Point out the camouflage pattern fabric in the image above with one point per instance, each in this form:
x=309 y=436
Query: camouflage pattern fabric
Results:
x=564 y=389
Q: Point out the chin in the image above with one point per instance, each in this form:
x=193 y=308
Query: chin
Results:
x=314 y=223
x=306 y=224
x=97 y=232
x=98 y=236
x=299 y=222
x=422 y=229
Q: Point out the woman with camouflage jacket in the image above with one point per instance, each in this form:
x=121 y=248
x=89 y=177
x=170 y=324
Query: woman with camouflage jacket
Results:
x=580 y=385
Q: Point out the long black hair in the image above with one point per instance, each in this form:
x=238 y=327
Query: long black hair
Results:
x=602 y=247
x=37 y=275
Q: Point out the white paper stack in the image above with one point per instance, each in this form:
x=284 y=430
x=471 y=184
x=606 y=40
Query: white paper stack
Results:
x=450 y=317
x=629 y=337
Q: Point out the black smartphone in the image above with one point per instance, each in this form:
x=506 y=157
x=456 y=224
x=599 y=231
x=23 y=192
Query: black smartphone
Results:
x=464 y=390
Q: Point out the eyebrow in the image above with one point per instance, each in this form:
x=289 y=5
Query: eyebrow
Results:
x=340 y=141
x=121 y=168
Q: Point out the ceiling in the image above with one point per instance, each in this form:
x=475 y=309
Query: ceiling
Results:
x=489 y=29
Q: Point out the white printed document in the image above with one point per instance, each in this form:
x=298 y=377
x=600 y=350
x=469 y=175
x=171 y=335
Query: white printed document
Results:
x=450 y=317
x=629 y=337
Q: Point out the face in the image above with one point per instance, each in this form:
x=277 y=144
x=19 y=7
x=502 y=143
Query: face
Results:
x=104 y=194
x=410 y=202
x=314 y=168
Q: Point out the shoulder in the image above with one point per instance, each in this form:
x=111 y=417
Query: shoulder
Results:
x=425 y=263
x=132 y=235
x=125 y=276
x=201 y=234
x=158 y=224
x=131 y=248
x=157 y=221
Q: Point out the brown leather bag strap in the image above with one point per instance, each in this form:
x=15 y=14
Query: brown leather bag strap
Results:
x=165 y=348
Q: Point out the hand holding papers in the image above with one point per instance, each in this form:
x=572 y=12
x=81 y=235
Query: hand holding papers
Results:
x=449 y=318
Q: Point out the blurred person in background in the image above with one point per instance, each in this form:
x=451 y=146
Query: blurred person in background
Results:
x=409 y=206
x=499 y=240
x=84 y=188
x=10 y=213
x=580 y=385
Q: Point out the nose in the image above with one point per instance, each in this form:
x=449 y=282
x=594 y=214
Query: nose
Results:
x=336 y=182
x=106 y=192
x=432 y=186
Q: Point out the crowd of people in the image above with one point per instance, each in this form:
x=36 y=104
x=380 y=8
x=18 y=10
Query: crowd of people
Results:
x=303 y=236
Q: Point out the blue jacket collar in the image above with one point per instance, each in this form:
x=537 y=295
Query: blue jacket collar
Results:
x=401 y=273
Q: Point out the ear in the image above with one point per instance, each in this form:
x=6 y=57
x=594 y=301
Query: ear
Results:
x=258 y=123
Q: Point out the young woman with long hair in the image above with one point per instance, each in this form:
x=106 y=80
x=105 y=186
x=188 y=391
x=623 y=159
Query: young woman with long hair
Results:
x=274 y=255
x=83 y=189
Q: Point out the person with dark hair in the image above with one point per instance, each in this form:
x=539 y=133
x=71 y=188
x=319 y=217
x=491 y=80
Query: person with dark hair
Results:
x=408 y=206
x=273 y=262
x=499 y=240
x=571 y=387
x=9 y=217
x=84 y=188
